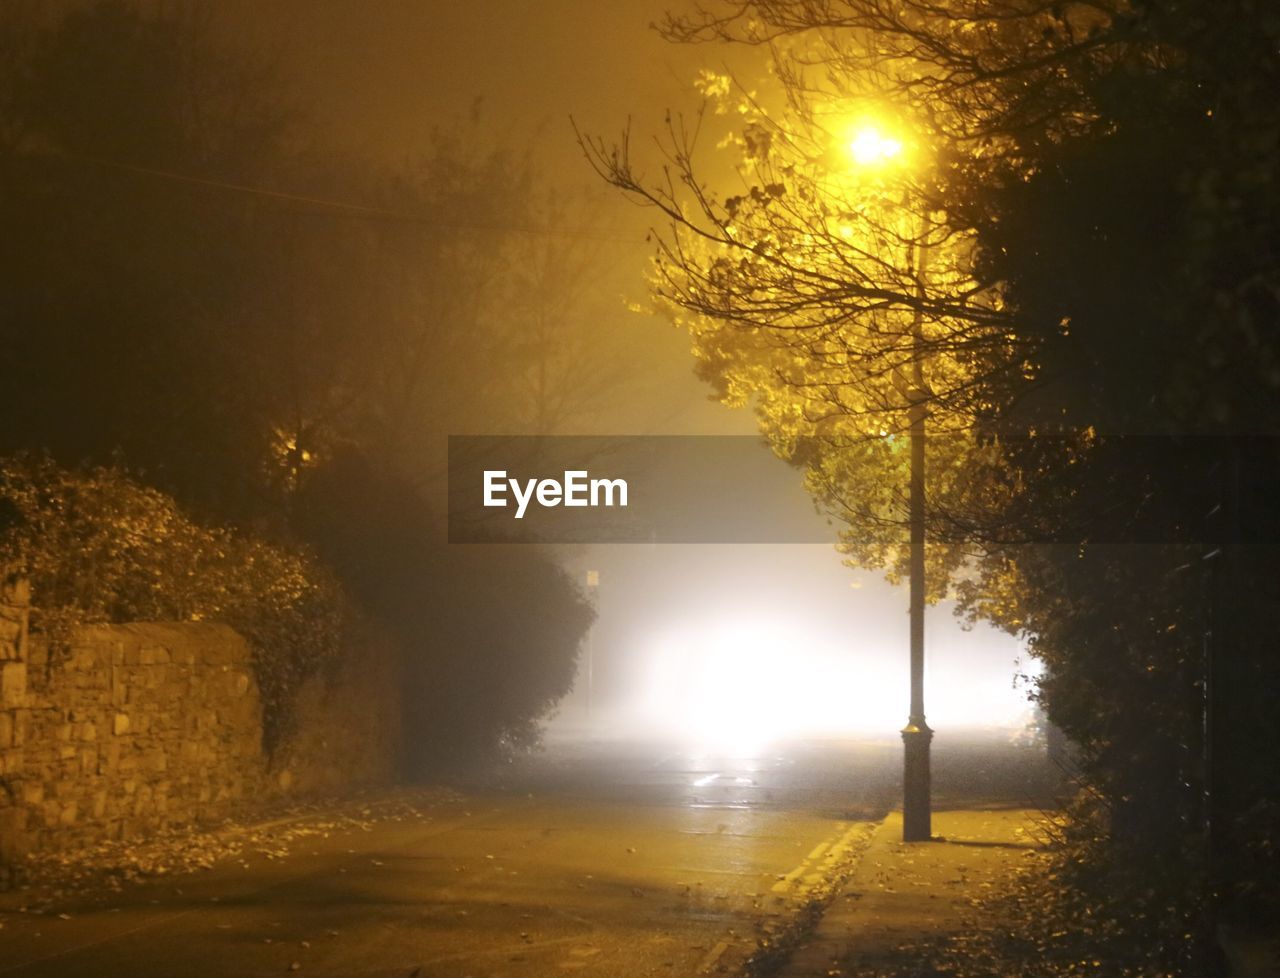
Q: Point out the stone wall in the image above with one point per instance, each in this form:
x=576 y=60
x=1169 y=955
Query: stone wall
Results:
x=14 y=599
x=138 y=726
x=144 y=726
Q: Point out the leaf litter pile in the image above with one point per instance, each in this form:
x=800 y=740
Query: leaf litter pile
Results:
x=52 y=878
x=1054 y=916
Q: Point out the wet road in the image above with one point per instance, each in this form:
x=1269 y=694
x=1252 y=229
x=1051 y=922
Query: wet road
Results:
x=597 y=857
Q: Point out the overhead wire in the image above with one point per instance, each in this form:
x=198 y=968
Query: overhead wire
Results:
x=366 y=211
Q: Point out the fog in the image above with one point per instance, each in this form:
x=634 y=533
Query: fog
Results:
x=731 y=641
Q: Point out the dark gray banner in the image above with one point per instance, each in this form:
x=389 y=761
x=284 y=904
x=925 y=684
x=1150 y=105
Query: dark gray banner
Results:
x=725 y=489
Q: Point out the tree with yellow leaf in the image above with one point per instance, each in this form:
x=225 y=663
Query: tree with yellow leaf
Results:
x=1098 y=208
x=832 y=297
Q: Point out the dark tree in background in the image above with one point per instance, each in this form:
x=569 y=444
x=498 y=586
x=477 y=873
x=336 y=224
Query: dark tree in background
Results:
x=486 y=627
x=202 y=307
x=109 y=289
x=194 y=291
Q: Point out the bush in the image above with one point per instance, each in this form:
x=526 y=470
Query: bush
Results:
x=490 y=633
x=98 y=547
x=496 y=648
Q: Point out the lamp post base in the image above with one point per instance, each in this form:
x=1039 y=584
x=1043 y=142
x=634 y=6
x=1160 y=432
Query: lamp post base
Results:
x=917 y=816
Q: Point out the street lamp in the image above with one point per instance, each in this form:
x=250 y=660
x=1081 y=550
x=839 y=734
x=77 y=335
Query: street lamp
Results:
x=868 y=146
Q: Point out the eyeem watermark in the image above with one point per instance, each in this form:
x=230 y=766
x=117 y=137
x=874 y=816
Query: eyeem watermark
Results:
x=733 y=489
x=577 y=489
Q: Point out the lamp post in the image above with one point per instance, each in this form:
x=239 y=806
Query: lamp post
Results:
x=593 y=588
x=917 y=815
x=868 y=147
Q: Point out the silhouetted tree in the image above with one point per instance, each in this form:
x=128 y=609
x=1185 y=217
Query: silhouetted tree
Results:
x=492 y=631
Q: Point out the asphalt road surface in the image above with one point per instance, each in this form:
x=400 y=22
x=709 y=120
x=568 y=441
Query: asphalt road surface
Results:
x=597 y=857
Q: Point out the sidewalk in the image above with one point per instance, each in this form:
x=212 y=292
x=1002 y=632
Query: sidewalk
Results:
x=906 y=897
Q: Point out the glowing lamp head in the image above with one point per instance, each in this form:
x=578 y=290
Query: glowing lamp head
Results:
x=868 y=146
